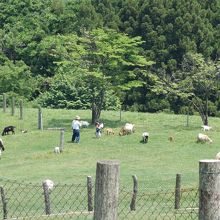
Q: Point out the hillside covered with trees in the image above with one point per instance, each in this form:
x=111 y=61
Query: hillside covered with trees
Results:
x=138 y=55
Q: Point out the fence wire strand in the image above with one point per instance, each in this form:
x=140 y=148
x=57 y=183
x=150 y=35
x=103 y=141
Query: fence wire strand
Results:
x=70 y=201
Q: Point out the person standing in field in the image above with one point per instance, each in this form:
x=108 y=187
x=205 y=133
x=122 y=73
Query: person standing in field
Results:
x=76 y=129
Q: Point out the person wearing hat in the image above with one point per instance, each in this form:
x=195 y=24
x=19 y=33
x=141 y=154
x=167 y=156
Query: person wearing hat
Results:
x=76 y=129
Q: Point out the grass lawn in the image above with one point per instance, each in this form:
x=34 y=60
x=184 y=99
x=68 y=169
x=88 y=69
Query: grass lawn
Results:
x=29 y=156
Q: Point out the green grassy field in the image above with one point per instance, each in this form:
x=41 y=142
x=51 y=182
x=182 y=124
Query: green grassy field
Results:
x=29 y=157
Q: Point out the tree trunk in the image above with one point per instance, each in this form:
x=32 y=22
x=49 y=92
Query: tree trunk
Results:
x=95 y=115
x=97 y=106
x=202 y=109
x=205 y=113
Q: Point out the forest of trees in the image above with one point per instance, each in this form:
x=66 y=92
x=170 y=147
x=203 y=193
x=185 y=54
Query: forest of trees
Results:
x=137 y=55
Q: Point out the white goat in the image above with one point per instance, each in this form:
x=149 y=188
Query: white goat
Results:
x=84 y=124
x=206 y=128
x=56 y=150
x=127 y=129
x=203 y=138
x=49 y=184
x=217 y=156
x=145 y=137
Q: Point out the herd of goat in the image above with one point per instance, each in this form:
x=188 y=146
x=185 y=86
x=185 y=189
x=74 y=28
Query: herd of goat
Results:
x=127 y=129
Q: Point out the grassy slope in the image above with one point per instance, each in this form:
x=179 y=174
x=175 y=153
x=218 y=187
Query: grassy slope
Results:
x=29 y=156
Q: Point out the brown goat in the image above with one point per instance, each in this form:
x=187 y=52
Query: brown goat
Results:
x=109 y=131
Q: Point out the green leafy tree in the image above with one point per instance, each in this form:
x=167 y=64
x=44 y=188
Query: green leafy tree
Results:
x=16 y=78
x=105 y=60
x=113 y=61
x=197 y=83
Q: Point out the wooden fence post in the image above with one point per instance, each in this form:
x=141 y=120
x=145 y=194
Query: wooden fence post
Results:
x=209 y=189
x=46 y=199
x=40 y=119
x=177 y=191
x=134 y=195
x=61 y=140
x=21 y=109
x=89 y=192
x=12 y=106
x=4 y=103
x=106 y=190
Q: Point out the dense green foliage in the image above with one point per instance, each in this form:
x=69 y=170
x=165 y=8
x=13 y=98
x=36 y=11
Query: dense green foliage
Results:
x=45 y=44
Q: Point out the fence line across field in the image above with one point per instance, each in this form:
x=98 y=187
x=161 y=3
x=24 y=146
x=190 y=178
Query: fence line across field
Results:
x=77 y=199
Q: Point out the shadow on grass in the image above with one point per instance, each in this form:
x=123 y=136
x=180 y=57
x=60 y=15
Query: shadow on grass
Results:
x=64 y=123
x=182 y=127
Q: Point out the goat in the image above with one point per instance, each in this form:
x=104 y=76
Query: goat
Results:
x=56 y=150
x=171 y=138
x=206 y=128
x=109 y=131
x=145 y=137
x=202 y=138
x=84 y=124
x=1 y=147
x=7 y=129
x=49 y=184
x=217 y=157
x=127 y=129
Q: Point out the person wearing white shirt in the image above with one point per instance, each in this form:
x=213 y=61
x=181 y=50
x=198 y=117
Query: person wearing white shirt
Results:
x=76 y=129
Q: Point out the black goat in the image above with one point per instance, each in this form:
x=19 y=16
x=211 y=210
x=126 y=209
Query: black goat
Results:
x=8 y=129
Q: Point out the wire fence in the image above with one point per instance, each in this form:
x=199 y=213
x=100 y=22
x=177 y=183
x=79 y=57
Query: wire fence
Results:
x=21 y=200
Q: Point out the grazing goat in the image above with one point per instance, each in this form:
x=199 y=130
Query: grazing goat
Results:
x=1 y=147
x=127 y=129
x=109 y=131
x=56 y=150
x=84 y=124
x=202 y=138
x=145 y=137
x=206 y=128
x=49 y=184
x=8 y=129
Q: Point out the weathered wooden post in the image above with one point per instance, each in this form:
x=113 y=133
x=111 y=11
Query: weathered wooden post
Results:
x=89 y=192
x=61 y=140
x=21 y=109
x=40 y=119
x=46 y=198
x=12 y=106
x=4 y=103
x=209 y=189
x=134 y=195
x=4 y=203
x=177 y=191
x=106 y=190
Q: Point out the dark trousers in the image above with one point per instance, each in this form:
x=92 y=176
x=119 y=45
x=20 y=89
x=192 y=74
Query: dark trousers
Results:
x=76 y=135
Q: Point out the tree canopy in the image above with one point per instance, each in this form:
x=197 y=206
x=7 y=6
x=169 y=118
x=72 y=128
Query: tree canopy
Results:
x=34 y=37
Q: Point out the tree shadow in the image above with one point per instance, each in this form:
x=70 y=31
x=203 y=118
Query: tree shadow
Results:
x=181 y=127
x=66 y=124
